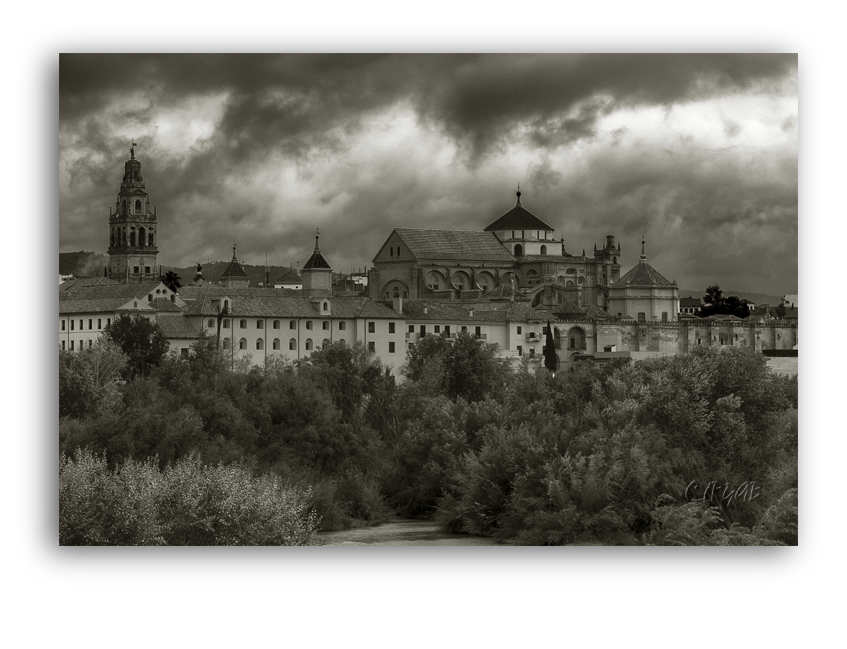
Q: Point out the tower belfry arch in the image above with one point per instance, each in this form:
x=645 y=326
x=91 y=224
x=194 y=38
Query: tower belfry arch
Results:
x=133 y=228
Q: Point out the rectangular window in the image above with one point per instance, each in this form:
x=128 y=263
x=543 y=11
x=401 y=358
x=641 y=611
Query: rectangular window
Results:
x=147 y=269
x=447 y=329
x=423 y=330
x=183 y=352
x=411 y=329
x=63 y=325
x=391 y=327
x=391 y=347
x=464 y=328
x=642 y=317
x=260 y=324
x=99 y=323
x=90 y=327
x=326 y=324
x=89 y=343
x=520 y=350
x=72 y=345
x=391 y=251
x=520 y=330
x=532 y=351
x=108 y=321
x=135 y=269
x=292 y=325
x=63 y=344
x=372 y=347
x=371 y=327
x=478 y=331
x=437 y=329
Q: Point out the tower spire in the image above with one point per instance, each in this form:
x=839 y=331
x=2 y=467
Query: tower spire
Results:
x=317 y=237
x=643 y=256
x=518 y=194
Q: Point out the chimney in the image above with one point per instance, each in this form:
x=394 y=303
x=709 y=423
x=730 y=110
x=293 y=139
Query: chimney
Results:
x=397 y=305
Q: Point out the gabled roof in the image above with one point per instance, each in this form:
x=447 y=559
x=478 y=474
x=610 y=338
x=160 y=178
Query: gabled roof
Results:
x=518 y=218
x=504 y=292
x=690 y=301
x=177 y=328
x=462 y=245
x=290 y=276
x=82 y=282
x=107 y=289
x=281 y=306
x=163 y=304
x=101 y=305
x=642 y=274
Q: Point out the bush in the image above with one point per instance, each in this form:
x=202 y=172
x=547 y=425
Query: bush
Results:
x=187 y=504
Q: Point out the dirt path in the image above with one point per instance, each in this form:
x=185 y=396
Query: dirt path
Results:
x=402 y=532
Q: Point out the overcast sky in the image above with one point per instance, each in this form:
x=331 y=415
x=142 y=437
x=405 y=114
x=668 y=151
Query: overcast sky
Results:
x=696 y=152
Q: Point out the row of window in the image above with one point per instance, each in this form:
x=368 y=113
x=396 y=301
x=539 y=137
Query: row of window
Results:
x=325 y=325
x=90 y=324
x=292 y=344
x=437 y=329
x=391 y=251
x=81 y=344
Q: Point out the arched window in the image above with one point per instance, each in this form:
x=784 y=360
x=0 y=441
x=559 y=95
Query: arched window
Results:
x=132 y=237
x=276 y=343
x=543 y=250
x=242 y=344
x=326 y=306
x=260 y=324
x=260 y=344
x=342 y=326
x=276 y=324
x=292 y=344
x=325 y=343
x=518 y=250
x=141 y=238
x=226 y=304
x=308 y=344
x=138 y=205
x=570 y=283
x=226 y=343
x=561 y=279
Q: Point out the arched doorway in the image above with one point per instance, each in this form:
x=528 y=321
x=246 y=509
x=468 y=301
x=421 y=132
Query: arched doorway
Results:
x=576 y=339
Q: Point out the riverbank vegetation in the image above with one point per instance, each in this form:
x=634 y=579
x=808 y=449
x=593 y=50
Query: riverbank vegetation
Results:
x=682 y=450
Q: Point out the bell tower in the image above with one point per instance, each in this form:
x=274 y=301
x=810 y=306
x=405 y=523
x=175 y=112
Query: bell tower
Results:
x=133 y=228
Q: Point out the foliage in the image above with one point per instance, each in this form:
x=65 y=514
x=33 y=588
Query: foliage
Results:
x=716 y=303
x=90 y=380
x=140 y=339
x=550 y=359
x=186 y=504
x=172 y=281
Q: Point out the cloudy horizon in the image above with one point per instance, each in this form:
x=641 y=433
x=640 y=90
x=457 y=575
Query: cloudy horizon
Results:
x=696 y=152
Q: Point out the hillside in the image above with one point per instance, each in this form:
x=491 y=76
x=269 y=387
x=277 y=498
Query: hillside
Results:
x=755 y=298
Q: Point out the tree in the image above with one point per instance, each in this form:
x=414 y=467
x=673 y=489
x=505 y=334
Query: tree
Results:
x=716 y=303
x=172 y=281
x=140 y=339
x=550 y=350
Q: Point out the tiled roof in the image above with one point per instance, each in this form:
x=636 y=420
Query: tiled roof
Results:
x=505 y=292
x=317 y=259
x=568 y=308
x=74 y=284
x=101 y=305
x=461 y=245
x=643 y=274
x=177 y=327
x=290 y=276
x=518 y=218
x=279 y=306
x=108 y=289
x=164 y=304
x=548 y=257
x=191 y=293
x=690 y=301
x=482 y=311
x=234 y=269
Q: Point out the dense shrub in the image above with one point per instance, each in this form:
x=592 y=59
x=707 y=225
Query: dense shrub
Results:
x=186 y=504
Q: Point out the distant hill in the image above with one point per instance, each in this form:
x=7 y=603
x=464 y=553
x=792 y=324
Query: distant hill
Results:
x=82 y=263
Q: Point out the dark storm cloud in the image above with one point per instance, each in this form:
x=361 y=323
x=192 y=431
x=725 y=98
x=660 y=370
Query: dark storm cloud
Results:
x=309 y=109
